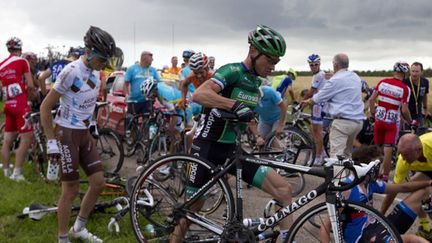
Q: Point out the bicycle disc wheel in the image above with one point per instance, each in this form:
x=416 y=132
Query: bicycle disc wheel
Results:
x=157 y=202
x=110 y=150
x=300 y=149
x=314 y=224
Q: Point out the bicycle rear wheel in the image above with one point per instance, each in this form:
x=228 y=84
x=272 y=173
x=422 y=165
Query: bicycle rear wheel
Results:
x=314 y=224
x=110 y=150
x=156 y=202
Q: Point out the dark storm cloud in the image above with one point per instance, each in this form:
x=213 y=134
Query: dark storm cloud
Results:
x=204 y=20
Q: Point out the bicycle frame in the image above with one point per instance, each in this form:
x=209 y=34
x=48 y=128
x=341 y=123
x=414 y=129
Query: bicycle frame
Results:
x=241 y=156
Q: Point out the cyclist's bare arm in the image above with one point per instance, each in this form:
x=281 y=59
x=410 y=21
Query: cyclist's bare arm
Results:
x=282 y=116
x=184 y=87
x=45 y=111
x=126 y=89
x=406 y=113
x=386 y=203
x=291 y=93
x=29 y=80
x=372 y=101
x=207 y=95
x=44 y=75
x=407 y=186
x=310 y=93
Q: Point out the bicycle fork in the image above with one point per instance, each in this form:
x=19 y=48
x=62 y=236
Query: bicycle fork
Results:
x=331 y=201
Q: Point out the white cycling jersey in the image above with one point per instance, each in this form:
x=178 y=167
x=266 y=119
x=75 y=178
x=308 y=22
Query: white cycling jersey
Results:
x=318 y=80
x=79 y=86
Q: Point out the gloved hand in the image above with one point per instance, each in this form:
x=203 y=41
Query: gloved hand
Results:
x=94 y=130
x=53 y=151
x=414 y=124
x=243 y=112
x=182 y=104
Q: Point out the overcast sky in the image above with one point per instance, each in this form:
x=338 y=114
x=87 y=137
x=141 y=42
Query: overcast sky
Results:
x=374 y=33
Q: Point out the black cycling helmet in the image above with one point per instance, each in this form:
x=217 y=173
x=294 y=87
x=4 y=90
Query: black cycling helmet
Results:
x=100 y=41
x=188 y=54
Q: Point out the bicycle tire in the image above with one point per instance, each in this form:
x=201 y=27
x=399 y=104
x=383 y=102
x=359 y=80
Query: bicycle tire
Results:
x=157 y=149
x=110 y=149
x=141 y=156
x=300 y=149
x=167 y=195
x=326 y=143
x=304 y=231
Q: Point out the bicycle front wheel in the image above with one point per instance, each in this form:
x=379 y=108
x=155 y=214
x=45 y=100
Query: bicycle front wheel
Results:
x=314 y=225
x=156 y=199
x=110 y=149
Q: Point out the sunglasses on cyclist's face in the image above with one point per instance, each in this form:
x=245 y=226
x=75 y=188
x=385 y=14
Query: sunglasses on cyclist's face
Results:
x=271 y=60
x=314 y=65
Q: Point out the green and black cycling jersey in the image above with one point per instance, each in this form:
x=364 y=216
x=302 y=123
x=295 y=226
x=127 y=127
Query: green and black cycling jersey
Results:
x=237 y=82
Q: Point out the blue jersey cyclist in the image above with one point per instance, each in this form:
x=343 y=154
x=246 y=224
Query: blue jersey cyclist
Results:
x=168 y=96
x=360 y=228
x=271 y=110
x=285 y=84
x=134 y=77
x=234 y=87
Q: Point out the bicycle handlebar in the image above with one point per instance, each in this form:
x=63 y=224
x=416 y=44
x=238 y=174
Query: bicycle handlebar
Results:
x=359 y=172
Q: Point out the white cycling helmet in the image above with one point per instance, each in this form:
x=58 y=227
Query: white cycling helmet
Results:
x=197 y=61
x=401 y=66
x=14 y=43
x=314 y=58
x=148 y=86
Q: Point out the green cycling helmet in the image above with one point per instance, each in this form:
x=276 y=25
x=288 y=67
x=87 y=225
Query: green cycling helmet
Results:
x=267 y=41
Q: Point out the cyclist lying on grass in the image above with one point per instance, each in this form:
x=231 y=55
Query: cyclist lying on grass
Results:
x=359 y=229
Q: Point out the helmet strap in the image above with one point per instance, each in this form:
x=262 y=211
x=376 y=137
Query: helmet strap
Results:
x=253 y=59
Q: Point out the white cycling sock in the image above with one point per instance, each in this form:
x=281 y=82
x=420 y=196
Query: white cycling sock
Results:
x=63 y=239
x=6 y=172
x=79 y=224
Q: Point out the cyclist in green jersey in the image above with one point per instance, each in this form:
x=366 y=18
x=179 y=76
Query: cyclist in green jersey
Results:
x=234 y=87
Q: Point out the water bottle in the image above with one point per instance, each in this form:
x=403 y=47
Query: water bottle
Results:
x=248 y=222
x=150 y=230
x=52 y=171
x=152 y=131
x=267 y=235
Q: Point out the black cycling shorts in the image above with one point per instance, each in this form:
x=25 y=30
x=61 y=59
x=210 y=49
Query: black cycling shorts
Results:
x=218 y=153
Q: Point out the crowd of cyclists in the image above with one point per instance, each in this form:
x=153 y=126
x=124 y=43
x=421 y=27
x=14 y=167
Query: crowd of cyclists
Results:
x=74 y=84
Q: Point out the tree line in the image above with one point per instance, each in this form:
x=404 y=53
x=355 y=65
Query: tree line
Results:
x=378 y=73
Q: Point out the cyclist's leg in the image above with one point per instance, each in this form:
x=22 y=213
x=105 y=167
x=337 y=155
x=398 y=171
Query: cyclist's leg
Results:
x=26 y=137
x=69 y=177
x=391 y=133
x=317 y=130
x=9 y=136
x=198 y=176
x=271 y=182
x=280 y=189
x=92 y=166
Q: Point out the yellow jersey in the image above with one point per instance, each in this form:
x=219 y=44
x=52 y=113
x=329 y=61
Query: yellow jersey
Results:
x=402 y=167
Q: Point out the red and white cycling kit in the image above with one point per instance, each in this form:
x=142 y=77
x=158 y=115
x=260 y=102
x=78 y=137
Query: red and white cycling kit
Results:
x=12 y=71
x=392 y=94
